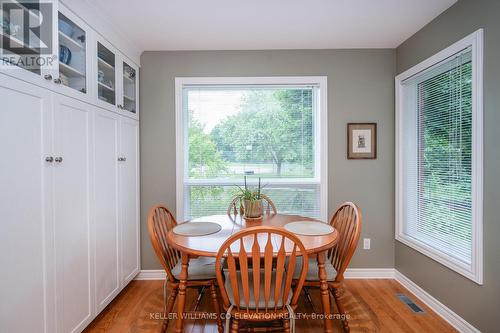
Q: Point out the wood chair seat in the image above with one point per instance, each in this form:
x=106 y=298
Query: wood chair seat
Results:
x=312 y=272
x=202 y=268
x=261 y=304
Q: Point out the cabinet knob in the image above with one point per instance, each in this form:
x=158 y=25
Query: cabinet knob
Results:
x=47 y=77
x=58 y=159
x=57 y=81
x=49 y=159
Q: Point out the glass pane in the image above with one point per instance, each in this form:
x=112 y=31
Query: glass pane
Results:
x=256 y=131
x=72 y=51
x=105 y=74
x=445 y=176
x=129 y=88
x=17 y=48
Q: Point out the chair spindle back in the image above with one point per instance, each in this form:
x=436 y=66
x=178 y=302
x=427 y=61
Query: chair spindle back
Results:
x=347 y=220
x=251 y=249
x=160 y=222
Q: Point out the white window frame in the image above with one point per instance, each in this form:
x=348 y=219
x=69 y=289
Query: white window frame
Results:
x=474 y=271
x=321 y=131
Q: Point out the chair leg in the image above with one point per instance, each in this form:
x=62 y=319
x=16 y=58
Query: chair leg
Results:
x=337 y=296
x=213 y=294
x=235 y=326
x=169 y=306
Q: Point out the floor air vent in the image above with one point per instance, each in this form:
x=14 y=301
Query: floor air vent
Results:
x=414 y=307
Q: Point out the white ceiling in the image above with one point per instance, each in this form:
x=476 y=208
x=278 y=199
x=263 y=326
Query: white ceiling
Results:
x=269 y=24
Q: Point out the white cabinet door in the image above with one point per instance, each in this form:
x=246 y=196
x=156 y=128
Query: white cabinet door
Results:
x=129 y=203
x=106 y=226
x=26 y=288
x=72 y=188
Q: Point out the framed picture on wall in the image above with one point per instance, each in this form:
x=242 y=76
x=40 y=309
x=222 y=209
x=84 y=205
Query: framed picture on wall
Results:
x=361 y=141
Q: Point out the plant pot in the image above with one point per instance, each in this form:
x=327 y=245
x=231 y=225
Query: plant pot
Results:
x=253 y=209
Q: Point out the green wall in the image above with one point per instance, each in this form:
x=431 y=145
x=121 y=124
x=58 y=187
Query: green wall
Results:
x=360 y=89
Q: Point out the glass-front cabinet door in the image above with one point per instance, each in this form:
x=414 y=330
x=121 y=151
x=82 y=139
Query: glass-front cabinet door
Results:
x=72 y=54
x=129 y=86
x=27 y=39
x=106 y=74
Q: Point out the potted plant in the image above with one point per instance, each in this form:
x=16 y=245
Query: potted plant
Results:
x=250 y=201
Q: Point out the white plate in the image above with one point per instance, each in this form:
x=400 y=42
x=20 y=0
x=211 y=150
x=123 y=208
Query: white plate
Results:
x=197 y=228
x=309 y=228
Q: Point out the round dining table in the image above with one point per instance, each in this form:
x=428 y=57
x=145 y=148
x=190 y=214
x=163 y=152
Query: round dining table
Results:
x=208 y=246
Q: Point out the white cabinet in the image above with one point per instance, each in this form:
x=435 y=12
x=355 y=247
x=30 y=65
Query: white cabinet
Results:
x=26 y=226
x=129 y=188
x=129 y=98
x=72 y=190
x=116 y=212
x=69 y=237
x=106 y=208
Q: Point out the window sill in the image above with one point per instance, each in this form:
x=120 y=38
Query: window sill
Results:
x=450 y=262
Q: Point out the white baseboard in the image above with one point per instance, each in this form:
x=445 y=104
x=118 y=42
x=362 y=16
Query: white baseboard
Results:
x=369 y=273
x=151 y=274
x=442 y=310
x=350 y=273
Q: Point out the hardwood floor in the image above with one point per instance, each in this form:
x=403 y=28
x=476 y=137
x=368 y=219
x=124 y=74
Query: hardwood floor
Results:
x=371 y=304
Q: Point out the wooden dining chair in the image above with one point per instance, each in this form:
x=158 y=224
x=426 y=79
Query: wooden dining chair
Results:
x=201 y=271
x=236 y=206
x=261 y=289
x=347 y=221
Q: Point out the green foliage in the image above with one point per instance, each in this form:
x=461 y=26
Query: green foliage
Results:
x=446 y=174
x=204 y=158
x=273 y=126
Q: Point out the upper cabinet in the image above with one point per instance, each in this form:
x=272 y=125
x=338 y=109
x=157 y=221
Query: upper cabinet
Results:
x=72 y=53
x=77 y=61
x=106 y=73
x=130 y=93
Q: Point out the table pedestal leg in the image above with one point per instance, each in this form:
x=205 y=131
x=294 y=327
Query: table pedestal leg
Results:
x=325 y=296
x=181 y=299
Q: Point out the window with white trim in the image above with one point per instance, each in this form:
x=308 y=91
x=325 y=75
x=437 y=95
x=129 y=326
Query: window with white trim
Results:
x=267 y=128
x=439 y=157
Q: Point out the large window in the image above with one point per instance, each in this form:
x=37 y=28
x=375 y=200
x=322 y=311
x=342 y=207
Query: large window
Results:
x=229 y=128
x=439 y=181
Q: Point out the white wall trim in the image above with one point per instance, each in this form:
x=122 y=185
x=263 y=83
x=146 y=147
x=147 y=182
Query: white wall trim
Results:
x=369 y=273
x=442 y=310
x=351 y=273
x=321 y=125
x=474 y=270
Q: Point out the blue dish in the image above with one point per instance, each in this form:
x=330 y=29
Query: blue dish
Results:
x=66 y=28
x=64 y=54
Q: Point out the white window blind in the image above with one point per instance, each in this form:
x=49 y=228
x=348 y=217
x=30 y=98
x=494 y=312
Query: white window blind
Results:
x=267 y=131
x=439 y=157
x=439 y=171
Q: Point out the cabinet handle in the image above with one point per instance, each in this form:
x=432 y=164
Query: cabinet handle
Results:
x=58 y=159
x=57 y=81
x=122 y=159
x=47 y=77
x=49 y=159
